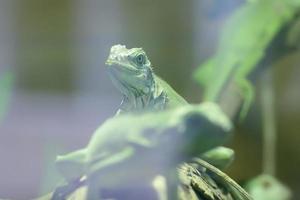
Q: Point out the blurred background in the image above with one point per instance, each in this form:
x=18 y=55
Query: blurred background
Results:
x=56 y=51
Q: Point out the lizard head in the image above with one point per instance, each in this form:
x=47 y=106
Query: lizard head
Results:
x=130 y=70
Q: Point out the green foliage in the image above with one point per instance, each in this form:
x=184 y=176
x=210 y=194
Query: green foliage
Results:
x=5 y=89
x=243 y=42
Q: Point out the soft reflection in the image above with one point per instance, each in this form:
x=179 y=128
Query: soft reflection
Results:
x=62 y=93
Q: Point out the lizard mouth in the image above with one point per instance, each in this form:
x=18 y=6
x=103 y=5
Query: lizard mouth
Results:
x=126 y=77
x=122 y=68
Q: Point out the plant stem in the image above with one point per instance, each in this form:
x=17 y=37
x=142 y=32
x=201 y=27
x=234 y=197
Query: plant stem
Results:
x=269 y=124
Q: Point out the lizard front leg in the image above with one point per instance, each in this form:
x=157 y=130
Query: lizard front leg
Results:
x=248 y=93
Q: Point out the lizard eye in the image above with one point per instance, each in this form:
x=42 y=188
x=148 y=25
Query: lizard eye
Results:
x=140 y=59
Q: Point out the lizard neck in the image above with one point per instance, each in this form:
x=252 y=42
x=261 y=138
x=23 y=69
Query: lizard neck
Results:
x=153 y=99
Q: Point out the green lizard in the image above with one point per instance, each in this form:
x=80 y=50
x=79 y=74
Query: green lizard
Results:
x=253 y=26
x=115 y=152
x=131 y=72
x=142 y=90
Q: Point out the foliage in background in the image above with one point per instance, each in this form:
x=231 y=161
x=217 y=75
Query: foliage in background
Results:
x=293 y=35
x=5 y=90
x=243 y=43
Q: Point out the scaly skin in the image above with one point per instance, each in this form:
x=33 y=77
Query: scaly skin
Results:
x=131 y=72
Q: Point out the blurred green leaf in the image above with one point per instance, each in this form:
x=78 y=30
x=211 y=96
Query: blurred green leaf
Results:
x=243 y=42
x=6 y=81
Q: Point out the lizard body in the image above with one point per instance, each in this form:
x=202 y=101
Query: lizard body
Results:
x=235 y=59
